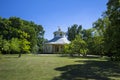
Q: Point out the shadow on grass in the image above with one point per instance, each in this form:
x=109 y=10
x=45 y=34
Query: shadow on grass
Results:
x=80 y=56
x=95 y=70
x=85 y=57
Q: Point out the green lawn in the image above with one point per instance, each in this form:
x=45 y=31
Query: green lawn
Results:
x=51 y=67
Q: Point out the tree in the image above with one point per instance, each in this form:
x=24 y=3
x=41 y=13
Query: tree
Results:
x=99 y=30
x=77 y=46
x=16 y=22
x=40 y=39
x=73 y=31
x=16 y=29
x=98 y=45
x=25 y=46
x=1 y=43
x=6 y=46
x=15 y=45
x=112 y=34
x=100 y=25
x=68 y=49
x=36 y=33
x=88 y=38
x=5 y=28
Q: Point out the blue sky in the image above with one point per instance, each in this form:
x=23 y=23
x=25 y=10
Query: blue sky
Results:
x=53 y=13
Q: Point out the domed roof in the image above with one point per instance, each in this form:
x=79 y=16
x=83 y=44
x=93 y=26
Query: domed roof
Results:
x=59 y=40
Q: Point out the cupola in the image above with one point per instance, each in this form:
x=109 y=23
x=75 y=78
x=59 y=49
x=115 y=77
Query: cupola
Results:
x=59 y=33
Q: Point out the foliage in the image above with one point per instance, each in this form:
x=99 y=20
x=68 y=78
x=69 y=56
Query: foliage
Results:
x=98 y=43
x=6 y=46
x=77 y=46
x=88 y=38
x=19 y=35
x=98 y=37
x=107 y=31
x=15 y=45
x=112 y=34
x=103 y=38
x=25 y=46
x=80 y=45
x=1 y=46
x=100 y=25
x=73 y=31
x=1 y=42
x=68 y=49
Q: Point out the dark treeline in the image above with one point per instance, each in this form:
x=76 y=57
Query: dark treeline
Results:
x=102 y=39
x=20 y=36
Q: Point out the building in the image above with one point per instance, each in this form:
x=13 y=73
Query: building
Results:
x=56 y=44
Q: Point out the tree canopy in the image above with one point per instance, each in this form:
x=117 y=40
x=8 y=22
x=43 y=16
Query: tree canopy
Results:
x=103 y=37
x=21 y=36
x=112 y=33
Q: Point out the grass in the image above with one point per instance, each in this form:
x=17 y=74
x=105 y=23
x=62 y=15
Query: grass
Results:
x=51 y=67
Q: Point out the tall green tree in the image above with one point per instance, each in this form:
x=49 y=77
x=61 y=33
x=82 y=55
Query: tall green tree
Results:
x=100 y=25
x=112 y=34
x=88 y=38
x=77 y=46
x=99 y=30
x=73 y=31
x=15 y=45
x=6 y=46
x=15 y=28
x=24 y=46
x=98 y=45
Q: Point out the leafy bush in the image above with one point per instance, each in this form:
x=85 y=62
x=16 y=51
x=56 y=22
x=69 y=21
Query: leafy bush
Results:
x=77 y=46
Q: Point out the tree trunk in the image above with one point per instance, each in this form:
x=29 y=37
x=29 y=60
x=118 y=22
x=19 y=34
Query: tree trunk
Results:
x=19 y=55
